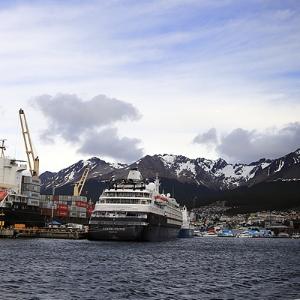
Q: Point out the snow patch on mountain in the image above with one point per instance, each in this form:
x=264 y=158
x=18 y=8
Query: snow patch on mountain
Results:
x=235 y=175
x=206 y=164
x=186 y=166
x=116 y=165
x=70 y=176
x=168 y=159
x=264 y=165
x=281 y=164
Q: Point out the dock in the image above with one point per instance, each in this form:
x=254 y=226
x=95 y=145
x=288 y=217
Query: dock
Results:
x=49 y=233
x=7 y=233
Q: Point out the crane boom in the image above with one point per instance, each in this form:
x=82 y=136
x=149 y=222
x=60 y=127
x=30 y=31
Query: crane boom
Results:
x=79 y=184
x=33 y=160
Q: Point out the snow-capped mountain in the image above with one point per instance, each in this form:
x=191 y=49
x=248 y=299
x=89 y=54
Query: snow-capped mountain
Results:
x=286 y=168
x=72 y=174
x=212 y=174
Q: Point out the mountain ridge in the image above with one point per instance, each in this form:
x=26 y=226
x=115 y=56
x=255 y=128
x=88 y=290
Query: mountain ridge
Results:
x=213 y=174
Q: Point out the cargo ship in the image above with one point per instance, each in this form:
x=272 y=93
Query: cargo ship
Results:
x=21 y=204
x=133 y=209
x=19 y=194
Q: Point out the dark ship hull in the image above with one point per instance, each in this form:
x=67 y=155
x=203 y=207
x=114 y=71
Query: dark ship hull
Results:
x=30 y=217
x=154 y=228
x=186 y=233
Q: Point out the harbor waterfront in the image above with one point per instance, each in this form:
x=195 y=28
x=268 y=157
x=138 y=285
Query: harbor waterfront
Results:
x=196 y=268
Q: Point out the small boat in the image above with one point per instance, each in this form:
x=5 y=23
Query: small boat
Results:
x=198 y=232
x=225 y=233
x=187 y=229
x=245 y=234
x=283 y=235
x=210 y=233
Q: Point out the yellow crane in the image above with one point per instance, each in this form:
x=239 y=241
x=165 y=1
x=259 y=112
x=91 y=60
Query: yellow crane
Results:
x=33 y=160
x=79 y=184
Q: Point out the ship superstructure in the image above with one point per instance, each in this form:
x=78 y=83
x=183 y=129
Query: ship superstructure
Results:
x=133 y=209
x=19 y=194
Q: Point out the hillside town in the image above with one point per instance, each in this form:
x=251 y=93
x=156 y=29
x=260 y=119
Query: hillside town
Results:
x=216 y=216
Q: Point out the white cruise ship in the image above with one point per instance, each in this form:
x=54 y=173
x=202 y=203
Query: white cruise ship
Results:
x=132 y=209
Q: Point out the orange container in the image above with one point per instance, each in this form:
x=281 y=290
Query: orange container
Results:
x=19 y=226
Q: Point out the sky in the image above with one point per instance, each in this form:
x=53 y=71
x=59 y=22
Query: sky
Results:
x=123 y=79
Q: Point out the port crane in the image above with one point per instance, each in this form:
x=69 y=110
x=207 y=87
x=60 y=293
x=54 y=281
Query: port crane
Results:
x=79 y=184
x=33 y=160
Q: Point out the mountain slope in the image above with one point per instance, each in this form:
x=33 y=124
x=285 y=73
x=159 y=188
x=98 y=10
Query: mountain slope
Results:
x=194 y=181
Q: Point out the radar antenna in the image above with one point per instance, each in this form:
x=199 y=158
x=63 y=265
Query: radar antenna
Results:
x=2 y=147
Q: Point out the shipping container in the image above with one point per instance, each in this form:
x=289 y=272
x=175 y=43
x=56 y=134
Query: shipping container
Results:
x=82 y=215
x=32 y=194
x=62 y=207
x=27 y=179
x=81 y=204
x=47 y=205
x=73 y=208
x=33 y=202
x=62 y=213
x=31 y=187
x=47 y=212
x=19 y=226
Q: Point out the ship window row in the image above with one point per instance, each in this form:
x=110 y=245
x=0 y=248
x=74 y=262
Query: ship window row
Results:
x=20 y=199
x=125 y=201
x=118 y=214
x=125 y=194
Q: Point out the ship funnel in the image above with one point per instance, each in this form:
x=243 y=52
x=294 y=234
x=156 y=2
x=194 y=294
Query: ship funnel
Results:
x=134 y=175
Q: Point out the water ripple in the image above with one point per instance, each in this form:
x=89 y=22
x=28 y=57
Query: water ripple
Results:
x=182 y=269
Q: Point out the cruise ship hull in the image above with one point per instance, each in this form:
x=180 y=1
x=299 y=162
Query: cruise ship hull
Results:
x=133 y=233
x=132 y=230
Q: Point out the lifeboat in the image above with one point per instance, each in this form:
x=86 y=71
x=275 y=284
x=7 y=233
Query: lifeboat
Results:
x=161 y=198
x=3 y=194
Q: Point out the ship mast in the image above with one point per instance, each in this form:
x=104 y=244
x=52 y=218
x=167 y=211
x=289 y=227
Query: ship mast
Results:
x=157 y=184
x=33 y=160
x=2 y=147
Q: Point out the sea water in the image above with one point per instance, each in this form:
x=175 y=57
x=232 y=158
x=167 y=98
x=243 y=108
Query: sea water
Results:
x=197 y=268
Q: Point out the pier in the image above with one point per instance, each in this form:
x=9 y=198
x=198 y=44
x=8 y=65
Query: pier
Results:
x=51 y=233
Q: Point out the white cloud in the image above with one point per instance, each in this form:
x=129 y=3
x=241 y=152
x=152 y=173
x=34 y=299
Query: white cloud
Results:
x=107 y=143
x=70 y=117
x=183 y=65
x=207 y=138
x=78 y=122
x=241 y=145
